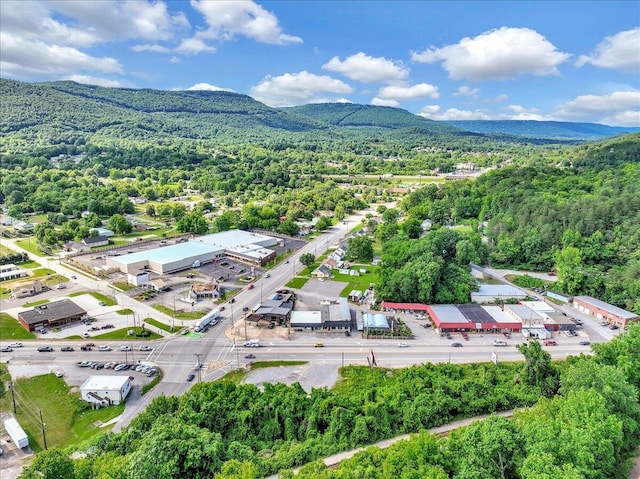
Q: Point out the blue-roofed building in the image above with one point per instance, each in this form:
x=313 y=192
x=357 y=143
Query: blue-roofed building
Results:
x=374 y=321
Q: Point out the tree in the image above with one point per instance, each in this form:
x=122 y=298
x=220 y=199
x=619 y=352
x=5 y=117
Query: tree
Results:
x=323 y=223
x=360 y=249
x=120 y=224
x=307 y=259
x=50 y=464
x=194 y=222
x=151 y=210
x=538 y=370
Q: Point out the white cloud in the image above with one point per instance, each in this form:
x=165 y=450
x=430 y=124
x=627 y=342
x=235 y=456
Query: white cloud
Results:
x=467 y=91
x=150 y=47
x=499 y=98
x=174 y=59
x=620 y=51
x=22 y=57
x=207 y=87
x=421 y=90
x=228 y=19
x=622 y=118
x=367 y=69
x=298 y=89
x=499 y=54
x=433 y=112
x=193 y=46
x=385 y=102
x=91 y=80
x=624 y=105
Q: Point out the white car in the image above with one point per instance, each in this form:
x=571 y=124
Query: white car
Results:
x=125 y=348
x=403 y=345
x=146 y=348
x=15 y=345
x=85 y=335
x=104 y=348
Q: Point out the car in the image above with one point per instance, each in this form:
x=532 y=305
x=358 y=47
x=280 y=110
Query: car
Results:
x=66 y=348
x=456 y=345
x=104 y=348
x=73 y=276
x=550 y=342
x=318 y=345
x=15 y=345
x=249 y=356
x=61 y=286
x=101 y=303
x=403 y=345
x=83 y=364
x=125 y=348
x=184 y=331
x=85 y=335
x=85 y=348
x=465 y=336
x=120 y=367
x=585 y=343
x=614 y=327
x=286 y=262
x=6 y=349
x=268 y=275
x=251 y=286
x=45 y=349
x=222 y=308
x=58 y=374
x=190 y=377
x=233 y=300
x=146 y=348
x=245 y=309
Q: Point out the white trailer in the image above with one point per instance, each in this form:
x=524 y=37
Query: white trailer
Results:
x=252 y=343
x=206 y=320
x=17 y=434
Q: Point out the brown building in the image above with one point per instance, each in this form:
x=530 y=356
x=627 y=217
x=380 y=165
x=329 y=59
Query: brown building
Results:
x=603 y=311
x=51 y=315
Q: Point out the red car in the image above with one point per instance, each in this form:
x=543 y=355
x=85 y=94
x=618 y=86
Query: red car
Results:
x=251 y=286
x=550 y=342
x=465 y=336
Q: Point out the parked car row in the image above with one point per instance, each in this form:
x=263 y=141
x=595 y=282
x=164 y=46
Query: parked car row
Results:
x=145 y=369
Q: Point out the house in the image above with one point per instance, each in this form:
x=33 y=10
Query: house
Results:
x=102 y=391
x=75 y=247
x=26 y=290
x=104 y=232
x=94 y=241
x=202 y=291
x=321 y=271
x=603 y=311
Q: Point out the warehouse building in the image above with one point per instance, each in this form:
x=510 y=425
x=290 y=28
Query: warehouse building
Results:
x=496 y=293
x=244 y=246
x=51 y=315
x=603 y=311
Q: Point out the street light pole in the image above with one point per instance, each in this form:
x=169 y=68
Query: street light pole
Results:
x=199 y=366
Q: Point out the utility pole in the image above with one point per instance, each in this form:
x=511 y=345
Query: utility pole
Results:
x=199 y=366
x=44 y=436
x=13 y=398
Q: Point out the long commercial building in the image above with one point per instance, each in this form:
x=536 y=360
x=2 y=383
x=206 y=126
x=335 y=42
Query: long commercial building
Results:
x=603 y=311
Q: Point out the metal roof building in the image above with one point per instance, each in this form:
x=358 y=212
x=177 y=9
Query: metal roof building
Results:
x=603 y=311
x=491 y=293
x=51 y=315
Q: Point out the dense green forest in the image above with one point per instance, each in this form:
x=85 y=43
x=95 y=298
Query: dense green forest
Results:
x=582 y=421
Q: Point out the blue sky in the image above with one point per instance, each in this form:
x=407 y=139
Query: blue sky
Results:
x=445 y=60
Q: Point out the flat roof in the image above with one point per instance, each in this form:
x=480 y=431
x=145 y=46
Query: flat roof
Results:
x=57 y=310
x=622 y=313
x=376 y=321
x=524 y=312
x=339 y=311
x=499 y=290
x=234 y=238
x=474 y=313
x=538 y=306
x=498 y=315
x=448 y=313
x=306 y=317
x=105 y=383
x=168 y=254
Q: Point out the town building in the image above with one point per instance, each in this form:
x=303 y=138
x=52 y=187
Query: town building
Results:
x=95 y=241
x=603 y=311
x=496 y=293
x=29 y=289
x=102 y=391
x=51 y=315
x=11 y=271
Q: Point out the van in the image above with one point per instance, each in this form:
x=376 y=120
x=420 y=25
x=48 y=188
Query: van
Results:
x=499 y=342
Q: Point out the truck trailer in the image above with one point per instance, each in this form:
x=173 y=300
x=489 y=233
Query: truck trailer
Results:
x=16 y=433
x=210 y=318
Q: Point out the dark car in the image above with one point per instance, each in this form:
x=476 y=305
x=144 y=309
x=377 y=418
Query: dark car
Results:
x=232 y=300
x=45 y=349
x=249 y=356
x=245 y=309
x=190 y=377
x=66 y=348
x=456 y=345
x=585 y=343
x=85 y=348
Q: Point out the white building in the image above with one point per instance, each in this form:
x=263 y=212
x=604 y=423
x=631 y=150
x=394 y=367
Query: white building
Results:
x=496 y=293
x=105 y=390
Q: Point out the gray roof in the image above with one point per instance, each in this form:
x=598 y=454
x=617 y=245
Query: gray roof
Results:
x=52 y=312
x=622 y=313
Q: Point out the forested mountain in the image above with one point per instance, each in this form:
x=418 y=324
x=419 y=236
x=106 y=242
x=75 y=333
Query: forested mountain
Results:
x=553 y=130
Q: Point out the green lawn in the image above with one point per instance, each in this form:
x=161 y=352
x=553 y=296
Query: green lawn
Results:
x=158 y=324
x=124 y=312
x=122 y=286
x=31 y=246
x=42 y=272
x=122 y=334
x=179 y=314
x=35 y=303
x=297 y=282
x=30 y=264
x=239 y=374
x=11 y=329
x=68 y=420
x=5 y=293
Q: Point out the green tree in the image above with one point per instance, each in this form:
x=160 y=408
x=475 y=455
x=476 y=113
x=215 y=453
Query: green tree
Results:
x=307 y=259
x=51 y=464
x=538 y=370
x=119 y=224
x=360 y=249
x=151 y=210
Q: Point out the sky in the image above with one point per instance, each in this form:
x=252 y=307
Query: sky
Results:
x=576 y=61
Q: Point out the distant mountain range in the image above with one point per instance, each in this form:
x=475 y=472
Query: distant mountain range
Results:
x=553 y=130
x=42 y=114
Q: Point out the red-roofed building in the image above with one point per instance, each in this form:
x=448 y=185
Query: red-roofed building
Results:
x=404 y=307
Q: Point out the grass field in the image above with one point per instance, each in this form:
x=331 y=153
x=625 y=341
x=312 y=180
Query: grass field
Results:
x=68 y=420
x=107 y=300
x=122 y=286
x=158 y=324
x=31 y=246
x=42 y=272
x=297 y=282
x=239 y=374
x=35 y=303
x=30 y=264
x=11 y=329
x=122 y=334
x=178 y=314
